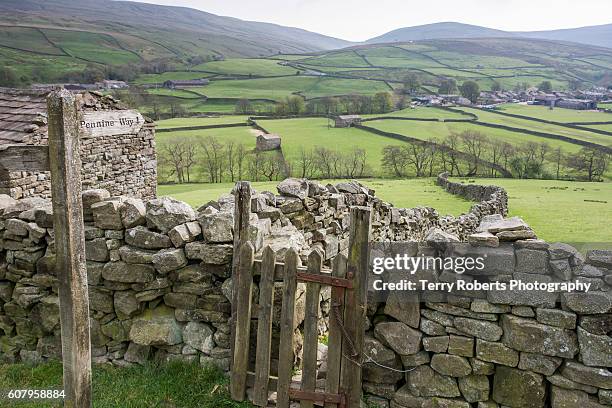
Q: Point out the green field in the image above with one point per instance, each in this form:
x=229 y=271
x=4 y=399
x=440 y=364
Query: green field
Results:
x=169 y=385
x=421 y=112
x=282 y=87
x=561 y=210
x=187 y=122
x=176 y=75
x=402 y=193
x=310 y=133
x=556 y=115
x=235 y=134
x=246 y=66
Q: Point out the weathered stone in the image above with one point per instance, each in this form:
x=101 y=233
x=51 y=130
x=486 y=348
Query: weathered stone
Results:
x=423 y=381
x=107 y=214
x=413 y=360
x=100 y=300
x=293 y=187
x=589 y=303
x=483 y=306
x=167 y=260
x=211 y=254
x=166 y=213
x=496 y=223
x=117 y=330
x=597 y=377
x=217 y=227
x=539 y=364
x=496 y=353
x=536 y=298
x=445 y=403
x=485 y=239
x=478 y=328
x=400 y=337
x=133 y=212
x=382 y=356
x=137 y=353
x=516 y=235
x=96 y=250
x=461 y=346
x=126 y=304
x=600 y=257
x=199 y=336
x=184 y=233
x=556 y=317
x=458 y=311
x=437 y=344
x=480 y=367
x=16 y=227
x=563 y=398
x=523 y=311
x=595 y=350
x=128 y=273
x=561 y=381
x=134 y=255
x=474 y=388
x=383 y=390
x=403 y=398
x=156 y=327
x=517 y=388
x=142 y=237
x=527 y=335
x=531 y=261
x=451 y=365
x=596 y=324
x=432 y=328
x=605 y=397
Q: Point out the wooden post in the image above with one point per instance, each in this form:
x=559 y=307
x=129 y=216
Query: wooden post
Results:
x=65 y=166
x=242 y=213
x=355 y=301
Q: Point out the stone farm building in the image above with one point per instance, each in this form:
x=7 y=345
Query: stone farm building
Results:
x=267 y=141
x=179 y=83
x=121 y=164
x=343 y=121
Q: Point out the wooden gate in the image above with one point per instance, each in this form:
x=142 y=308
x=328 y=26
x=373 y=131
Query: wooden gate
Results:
x=347 y=279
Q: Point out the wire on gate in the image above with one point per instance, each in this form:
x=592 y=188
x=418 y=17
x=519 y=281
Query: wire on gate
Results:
x=354 y=353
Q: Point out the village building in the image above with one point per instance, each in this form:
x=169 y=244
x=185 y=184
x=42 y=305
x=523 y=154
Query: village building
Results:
x=184 y=83
x=579 y=104
x=344 y=121
x=268 y=141
x=123 y=164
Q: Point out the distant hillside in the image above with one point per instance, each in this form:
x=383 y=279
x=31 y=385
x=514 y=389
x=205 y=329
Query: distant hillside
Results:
x=594 y=35
x=436 y=31
x=148 y=30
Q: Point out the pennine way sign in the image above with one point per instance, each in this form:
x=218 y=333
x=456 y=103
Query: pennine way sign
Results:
x=109 y=123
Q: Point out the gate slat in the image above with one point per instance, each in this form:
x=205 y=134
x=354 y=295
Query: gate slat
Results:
x=356 y=301
x=311 y=320
x=264 y=328
x=334 y=345
x=285 y=354
x=243 y=291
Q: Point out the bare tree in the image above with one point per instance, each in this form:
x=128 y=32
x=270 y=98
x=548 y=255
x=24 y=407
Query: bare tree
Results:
x=474 y=144
x=590 y=163
x=306 y=163
x=213 y=158
x=394 y=160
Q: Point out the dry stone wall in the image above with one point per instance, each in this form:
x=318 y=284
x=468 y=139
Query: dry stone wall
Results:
x=498 y=348
x=159 y=274
x=124 y=164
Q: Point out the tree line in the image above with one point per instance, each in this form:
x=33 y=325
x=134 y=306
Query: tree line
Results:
x=467 y=153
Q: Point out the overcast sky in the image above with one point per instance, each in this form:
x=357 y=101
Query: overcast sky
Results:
x=359 y=20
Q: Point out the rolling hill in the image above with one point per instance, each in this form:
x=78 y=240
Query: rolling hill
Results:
x=600 y=35
x=148 y=31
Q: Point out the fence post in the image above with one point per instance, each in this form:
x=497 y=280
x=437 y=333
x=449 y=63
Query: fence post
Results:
x=65 y=166
x=356 y=303
x=242 y=212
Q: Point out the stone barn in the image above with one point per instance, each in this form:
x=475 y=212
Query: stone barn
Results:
x=344 y=121
x=267 y=141
x=123 y=164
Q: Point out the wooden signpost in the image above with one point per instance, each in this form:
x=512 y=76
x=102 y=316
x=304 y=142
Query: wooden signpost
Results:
x=66 y=125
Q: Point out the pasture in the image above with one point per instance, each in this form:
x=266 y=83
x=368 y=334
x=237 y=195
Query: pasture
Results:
x=557 y=114
x=563 y=211
x=196 y=121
